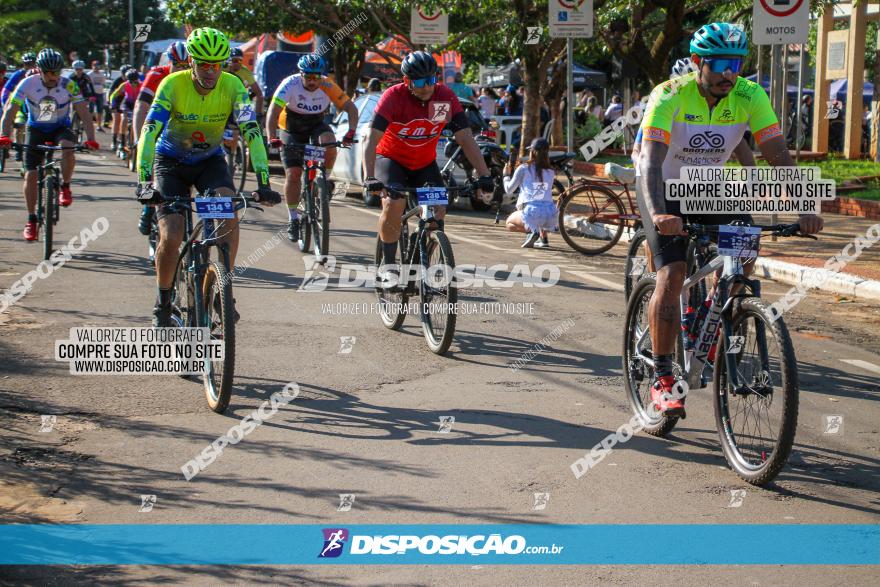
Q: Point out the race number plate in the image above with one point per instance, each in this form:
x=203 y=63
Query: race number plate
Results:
x=210 y=208
x=314 y=153
x=432 y=196
x=739 y=241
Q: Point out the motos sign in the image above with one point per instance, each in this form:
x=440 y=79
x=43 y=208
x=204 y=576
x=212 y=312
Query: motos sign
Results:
x=777 y=22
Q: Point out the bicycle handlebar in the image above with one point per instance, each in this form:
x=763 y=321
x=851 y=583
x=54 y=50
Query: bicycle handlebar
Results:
x=694 y=230
x=330 y=144
x=77 y=147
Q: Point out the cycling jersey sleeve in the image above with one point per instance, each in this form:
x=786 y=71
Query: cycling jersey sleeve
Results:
x=157 y=118
x=75 y=93
x=335 y=93
x=115 y=92
x=379 y=123
x=244 y=114
x=458 y=122
x=282 y=95
x=762 y=120
x=657 y=123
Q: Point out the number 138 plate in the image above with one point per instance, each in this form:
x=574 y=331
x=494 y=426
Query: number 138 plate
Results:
x=432 y=196
x=739 y=241
x=209 y=208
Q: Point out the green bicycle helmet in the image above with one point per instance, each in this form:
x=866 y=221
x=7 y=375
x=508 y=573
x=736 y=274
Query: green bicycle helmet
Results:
x=720 y=38
x=208 y=45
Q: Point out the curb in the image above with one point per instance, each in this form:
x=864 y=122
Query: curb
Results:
x=837 y=283
x=791 y=273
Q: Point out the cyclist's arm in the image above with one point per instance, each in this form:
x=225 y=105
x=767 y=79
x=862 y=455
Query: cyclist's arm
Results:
x=352 y=111
x=115 y=92
x=140 y=115
x=12 y=108
x=258 y=96
x=370 y=151
x=158 y=117
x=82 y=110
x=465 y=138
x=650 y=178
x=243 y=113
x=272 y=120
x=744 y=154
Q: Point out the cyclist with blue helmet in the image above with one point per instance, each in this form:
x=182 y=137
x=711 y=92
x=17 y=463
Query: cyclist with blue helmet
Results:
x=303 y=99
x=696 y=120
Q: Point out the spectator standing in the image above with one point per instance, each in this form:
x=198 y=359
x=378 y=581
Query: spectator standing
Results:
x=97 y=107
x=614 y=110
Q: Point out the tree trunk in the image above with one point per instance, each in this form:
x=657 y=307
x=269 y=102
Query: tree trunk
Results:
x=531 y=125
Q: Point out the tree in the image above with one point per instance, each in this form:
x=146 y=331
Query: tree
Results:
x=84 y=26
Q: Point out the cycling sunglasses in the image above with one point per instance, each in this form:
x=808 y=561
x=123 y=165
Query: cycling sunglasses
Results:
x=207 y=66
x=425 y=81
x=720 y=65
x=312 y=77
x=51 y=71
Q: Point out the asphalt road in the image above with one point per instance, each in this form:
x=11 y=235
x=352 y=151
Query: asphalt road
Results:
x=368 y=417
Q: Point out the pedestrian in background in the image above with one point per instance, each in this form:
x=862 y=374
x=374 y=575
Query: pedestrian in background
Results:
x=536 y=213
x=488 y=102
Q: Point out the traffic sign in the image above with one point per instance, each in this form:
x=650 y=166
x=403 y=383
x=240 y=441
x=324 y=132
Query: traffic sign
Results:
x=777 y=22
x=571 y=18
x=427 y=28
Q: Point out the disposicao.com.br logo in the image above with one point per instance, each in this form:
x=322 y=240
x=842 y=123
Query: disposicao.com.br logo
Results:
x=334 y=541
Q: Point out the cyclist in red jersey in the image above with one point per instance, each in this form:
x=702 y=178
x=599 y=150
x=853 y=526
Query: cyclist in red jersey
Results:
x=401 y=151
x=178 y=60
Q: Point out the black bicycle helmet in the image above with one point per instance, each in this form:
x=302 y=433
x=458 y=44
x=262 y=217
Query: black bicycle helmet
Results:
x=50 y=60
x=132 y=75
x=418 y=64
x=236 y=53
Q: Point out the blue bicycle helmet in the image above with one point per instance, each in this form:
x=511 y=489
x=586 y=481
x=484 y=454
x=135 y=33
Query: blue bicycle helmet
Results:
x=720 y=38
x=311 y=63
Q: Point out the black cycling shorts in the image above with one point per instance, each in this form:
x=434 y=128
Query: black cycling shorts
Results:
x=35 y=136
x=669 y=249
x=292 y=155
x=173 y=178
x=394 y=175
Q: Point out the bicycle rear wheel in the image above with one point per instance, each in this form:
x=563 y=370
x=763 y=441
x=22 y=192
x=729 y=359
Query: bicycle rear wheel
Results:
x=757 y=421
x=638 y=376
x=50 y=204
x=240 y=163
x=438 y=293
x=4 y=154
x=217 y=313
x=590 y=219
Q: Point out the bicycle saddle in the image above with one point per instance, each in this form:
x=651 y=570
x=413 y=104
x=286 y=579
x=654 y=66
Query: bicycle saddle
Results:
x=625 y=175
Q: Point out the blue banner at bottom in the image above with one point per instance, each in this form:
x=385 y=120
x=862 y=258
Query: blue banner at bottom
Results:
x=497 y=544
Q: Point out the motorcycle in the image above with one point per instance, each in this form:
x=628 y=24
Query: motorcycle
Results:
x=495 y=158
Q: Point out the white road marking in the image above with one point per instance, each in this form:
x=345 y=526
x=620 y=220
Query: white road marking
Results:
x=599 y=280
x=863 y=365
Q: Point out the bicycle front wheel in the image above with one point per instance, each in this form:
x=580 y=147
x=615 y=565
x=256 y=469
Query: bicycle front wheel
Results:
x=756 y=416
x=393 y=300
x=49 y=204
x=591 y=219
x=217 y=312
x=321 y=217
x=439 y=293
x=636 y=262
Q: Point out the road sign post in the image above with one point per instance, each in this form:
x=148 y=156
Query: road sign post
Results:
x=570 y=19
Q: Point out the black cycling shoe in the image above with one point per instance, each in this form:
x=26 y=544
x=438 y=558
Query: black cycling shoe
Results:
x=146 y=223
x=162 y=316
x=331 y=189
x=293 y=230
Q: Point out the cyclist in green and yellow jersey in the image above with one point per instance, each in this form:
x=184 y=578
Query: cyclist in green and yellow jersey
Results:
x=181 y=147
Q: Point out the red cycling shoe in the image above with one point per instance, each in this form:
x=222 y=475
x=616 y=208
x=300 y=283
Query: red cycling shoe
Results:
x=65 y=198
x=668 y=398
x=30 y=231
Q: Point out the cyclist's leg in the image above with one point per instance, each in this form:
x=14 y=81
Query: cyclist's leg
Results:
x=391 y=174
x=325 y=135
x=171 y=179
x=66 y=138
x=669 y=256
x=292 y=159
x=215 y=173
x=32 y=160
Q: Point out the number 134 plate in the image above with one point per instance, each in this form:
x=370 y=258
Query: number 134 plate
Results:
x=215 y=207
x=739 y=241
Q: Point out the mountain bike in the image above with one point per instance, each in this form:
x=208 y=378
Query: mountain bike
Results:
x=314 y=200
x=202 y=290
x=424 y=251
x=752 y=366
x=48 y=191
